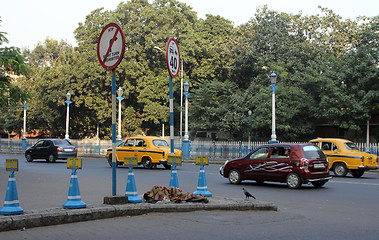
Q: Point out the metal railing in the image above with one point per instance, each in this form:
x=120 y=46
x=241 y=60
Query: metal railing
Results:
x=217 y=151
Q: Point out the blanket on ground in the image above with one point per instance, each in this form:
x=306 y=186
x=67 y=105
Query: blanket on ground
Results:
x=173 y=194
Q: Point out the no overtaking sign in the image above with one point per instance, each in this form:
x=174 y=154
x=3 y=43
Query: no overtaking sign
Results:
x=111 y=46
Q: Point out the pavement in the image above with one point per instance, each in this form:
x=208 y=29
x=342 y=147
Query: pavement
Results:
x=55 y=216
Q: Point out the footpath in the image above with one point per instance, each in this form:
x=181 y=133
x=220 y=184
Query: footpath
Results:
x=55 y=216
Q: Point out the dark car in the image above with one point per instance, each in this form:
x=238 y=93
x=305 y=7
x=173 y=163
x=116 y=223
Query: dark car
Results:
x=51 y=150
x=293 y=164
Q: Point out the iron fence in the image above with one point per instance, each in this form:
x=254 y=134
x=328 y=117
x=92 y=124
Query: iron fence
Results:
x=216 y=151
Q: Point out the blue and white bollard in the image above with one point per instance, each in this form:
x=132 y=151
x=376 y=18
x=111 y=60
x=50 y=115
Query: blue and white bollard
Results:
x=202 y=187
x=11 y=203
x=131 y=189
x=74 y=200
x=174 y=181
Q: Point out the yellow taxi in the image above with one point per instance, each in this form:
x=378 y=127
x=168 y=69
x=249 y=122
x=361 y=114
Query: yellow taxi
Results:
x=344 y=156
x=150 y=151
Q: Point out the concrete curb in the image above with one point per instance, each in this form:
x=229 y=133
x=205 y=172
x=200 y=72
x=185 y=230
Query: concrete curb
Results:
x=47 y=217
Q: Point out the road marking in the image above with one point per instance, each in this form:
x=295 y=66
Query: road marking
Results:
x=359 y=183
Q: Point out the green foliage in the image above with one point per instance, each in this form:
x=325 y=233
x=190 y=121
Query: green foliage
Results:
x=327 y=71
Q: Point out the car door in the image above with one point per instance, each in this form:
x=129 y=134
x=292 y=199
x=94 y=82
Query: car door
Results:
x=331 y=151
x=37 y=150
x=126 y=150
x=254 y=164
x=278 y=163
x=140 y=149
x=48 y=148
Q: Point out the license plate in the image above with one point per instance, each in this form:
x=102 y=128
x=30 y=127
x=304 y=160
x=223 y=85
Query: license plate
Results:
x=319 y=165
x=69 y=150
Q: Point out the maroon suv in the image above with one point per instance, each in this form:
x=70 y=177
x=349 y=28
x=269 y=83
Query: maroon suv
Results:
x=293 y=164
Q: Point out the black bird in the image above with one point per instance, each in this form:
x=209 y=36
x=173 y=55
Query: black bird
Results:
x=247 y=194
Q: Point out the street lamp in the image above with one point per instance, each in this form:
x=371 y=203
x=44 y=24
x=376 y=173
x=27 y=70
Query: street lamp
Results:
x=119 y=98
x=273 y=86
x=186 y=141
x=23 y=143
x=249 y=117
x=68 y=102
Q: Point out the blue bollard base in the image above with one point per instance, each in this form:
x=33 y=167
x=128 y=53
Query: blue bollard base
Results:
x=134 y=199
x=11 y=211
x=205 y=193
x=74 y=204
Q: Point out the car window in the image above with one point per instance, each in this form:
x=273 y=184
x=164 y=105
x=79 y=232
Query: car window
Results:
x=46 y=143
x=351 y=146
x=140 y=143
x=326 y=146
x=39 y=144
x=281 y=152
x=260 y=153
x=61 y=142
x=160 y=142
x=129 y=143
x=334 y=147
x=315 y=143
x=313 y=152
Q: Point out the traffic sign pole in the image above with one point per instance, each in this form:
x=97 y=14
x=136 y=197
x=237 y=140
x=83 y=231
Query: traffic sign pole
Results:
x=114 y=164
x=110 y=51
x=173 y=63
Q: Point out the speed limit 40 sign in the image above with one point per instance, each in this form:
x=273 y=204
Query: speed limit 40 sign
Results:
x=172 y=57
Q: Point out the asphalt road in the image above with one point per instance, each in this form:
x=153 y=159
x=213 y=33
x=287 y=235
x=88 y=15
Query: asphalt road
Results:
x=345 y=208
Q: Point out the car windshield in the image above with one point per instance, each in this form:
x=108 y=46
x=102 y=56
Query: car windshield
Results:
x=160 y=143
x=61 y=142
x=313 y=152
x=351 y=146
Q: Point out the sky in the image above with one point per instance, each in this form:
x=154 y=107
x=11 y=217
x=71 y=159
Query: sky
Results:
x=27 y=22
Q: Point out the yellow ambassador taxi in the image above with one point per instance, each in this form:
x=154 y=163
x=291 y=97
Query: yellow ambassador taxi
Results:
x=344 y=156
x=149 y=150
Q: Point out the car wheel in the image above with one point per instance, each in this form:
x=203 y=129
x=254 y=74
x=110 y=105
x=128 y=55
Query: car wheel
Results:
x=293 y=181
x=318 y=184
x=147 y=163
x=110 y=161
x=29 y=157
x=234 y=176
x=357 y=173
x=51 y=158
x=340 y=170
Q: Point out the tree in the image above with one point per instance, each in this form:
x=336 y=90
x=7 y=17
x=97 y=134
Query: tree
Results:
x=12 y=93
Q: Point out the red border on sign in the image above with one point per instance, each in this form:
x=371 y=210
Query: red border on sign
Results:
x=122 y=50
x=167 y=61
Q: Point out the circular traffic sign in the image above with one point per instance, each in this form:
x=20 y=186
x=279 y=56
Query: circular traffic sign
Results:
x=111 y=46
x=172 y=57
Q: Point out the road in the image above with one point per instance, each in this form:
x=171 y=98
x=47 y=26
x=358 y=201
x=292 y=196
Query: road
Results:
x=345 y=208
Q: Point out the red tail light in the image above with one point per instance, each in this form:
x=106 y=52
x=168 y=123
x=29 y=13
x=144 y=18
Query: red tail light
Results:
x=76 y=149
x=59 y=149
x=304 y=163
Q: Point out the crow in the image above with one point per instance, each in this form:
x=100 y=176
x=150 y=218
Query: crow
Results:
x=247 y=194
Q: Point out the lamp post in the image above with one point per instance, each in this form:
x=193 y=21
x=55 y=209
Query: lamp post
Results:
x=249 y=117
x=186 y=141
x=119 y=98
x=162 y=129
x=273 y=86
x=23 y=143
x=68 y=102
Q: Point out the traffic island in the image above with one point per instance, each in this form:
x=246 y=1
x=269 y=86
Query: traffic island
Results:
x=48 y=217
